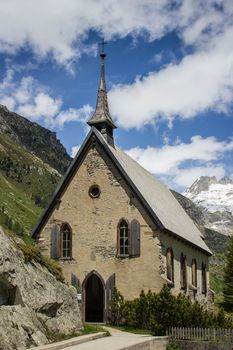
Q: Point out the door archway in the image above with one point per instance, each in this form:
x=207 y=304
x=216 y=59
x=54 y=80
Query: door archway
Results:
x=94 y=298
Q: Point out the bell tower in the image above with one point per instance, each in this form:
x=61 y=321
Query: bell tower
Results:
x=101 y=119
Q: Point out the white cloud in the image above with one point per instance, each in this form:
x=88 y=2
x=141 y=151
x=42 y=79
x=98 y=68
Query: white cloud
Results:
x=74 y=150
x=60 y=28
x=201 y=81
x=180 y=164
x=7 y=101
x=53 y=26
x=25 y=89
x=42 y=106
x=28 y=98
x=82 y=115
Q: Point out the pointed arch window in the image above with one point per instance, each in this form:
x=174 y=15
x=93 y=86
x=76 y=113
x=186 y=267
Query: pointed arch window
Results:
x=123 y=238
x=66 y=241
x=194 y=273
x=170 y=265
x=203 y=279
x=183 y=272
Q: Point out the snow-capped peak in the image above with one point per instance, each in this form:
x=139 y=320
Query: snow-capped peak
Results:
x=214 y=195
x=201 y=184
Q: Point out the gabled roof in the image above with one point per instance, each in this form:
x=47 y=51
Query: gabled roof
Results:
x=155 y=197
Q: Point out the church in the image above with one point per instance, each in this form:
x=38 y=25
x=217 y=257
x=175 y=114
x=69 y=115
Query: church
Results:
x=110 y=223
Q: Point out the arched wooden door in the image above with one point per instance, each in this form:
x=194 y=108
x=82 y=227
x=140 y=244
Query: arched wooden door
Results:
x=94 y=299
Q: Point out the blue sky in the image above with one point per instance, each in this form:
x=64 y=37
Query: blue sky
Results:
x=169 y=72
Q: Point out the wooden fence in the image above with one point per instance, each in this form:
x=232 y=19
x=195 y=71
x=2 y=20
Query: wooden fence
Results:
x=201 y=334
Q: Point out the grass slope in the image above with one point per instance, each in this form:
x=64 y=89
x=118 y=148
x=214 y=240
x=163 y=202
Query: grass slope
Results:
x=16 y=205
x=26 y=184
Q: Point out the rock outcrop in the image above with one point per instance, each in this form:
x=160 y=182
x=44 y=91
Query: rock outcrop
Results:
x=36 y=139
x=32 y=302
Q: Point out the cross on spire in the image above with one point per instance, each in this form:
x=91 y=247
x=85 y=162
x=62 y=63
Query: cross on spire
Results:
x=103 y=54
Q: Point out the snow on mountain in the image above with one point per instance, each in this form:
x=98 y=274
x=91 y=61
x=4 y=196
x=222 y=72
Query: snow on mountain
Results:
x=216 y=196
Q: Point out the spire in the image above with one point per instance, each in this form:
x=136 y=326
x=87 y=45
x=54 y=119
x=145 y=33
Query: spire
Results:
x=101 y=118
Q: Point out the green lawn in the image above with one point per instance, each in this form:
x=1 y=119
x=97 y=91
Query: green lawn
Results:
x=132 y=330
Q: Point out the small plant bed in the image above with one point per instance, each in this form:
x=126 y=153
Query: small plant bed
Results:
x=90 y=328
x=132 y=330
x=87 y=329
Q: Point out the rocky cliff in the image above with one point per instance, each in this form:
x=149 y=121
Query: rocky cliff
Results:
x=32 y=162
x=32 y=302
x=36 y=139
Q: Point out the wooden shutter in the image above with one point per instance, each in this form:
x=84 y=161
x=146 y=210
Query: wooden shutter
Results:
x=135 y=238
x=55 y=250
x=76 y=282
x=110 y=284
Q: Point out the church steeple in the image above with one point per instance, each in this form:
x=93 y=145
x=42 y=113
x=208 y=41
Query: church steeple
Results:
x=101 y=118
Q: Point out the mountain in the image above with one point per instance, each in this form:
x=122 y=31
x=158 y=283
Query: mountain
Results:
x=215 y=197
x=34 y=138
x=32 y=162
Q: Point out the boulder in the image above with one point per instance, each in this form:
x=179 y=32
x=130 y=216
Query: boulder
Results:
x=32 y=302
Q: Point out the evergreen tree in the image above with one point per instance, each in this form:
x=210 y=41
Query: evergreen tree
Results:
x=228 y=279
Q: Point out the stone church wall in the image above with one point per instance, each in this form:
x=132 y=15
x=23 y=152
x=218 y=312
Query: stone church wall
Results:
x=191 y=253
x=94 y=229
x=94 y=233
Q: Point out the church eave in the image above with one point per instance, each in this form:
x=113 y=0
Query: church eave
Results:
x=186 y=241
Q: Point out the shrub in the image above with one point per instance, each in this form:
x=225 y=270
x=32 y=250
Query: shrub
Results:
x=157 y=312
x=116 y=307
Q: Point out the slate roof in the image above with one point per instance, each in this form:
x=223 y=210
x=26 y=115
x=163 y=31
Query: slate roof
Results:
x=160 y=199
x=157 y=199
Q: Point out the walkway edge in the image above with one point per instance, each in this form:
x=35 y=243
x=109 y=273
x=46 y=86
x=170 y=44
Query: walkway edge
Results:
x=154 y=343
x=70 y=342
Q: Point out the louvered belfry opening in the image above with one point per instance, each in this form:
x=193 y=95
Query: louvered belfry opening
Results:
x=94 y=299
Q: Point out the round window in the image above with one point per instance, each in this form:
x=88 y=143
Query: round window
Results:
x=94 y=191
